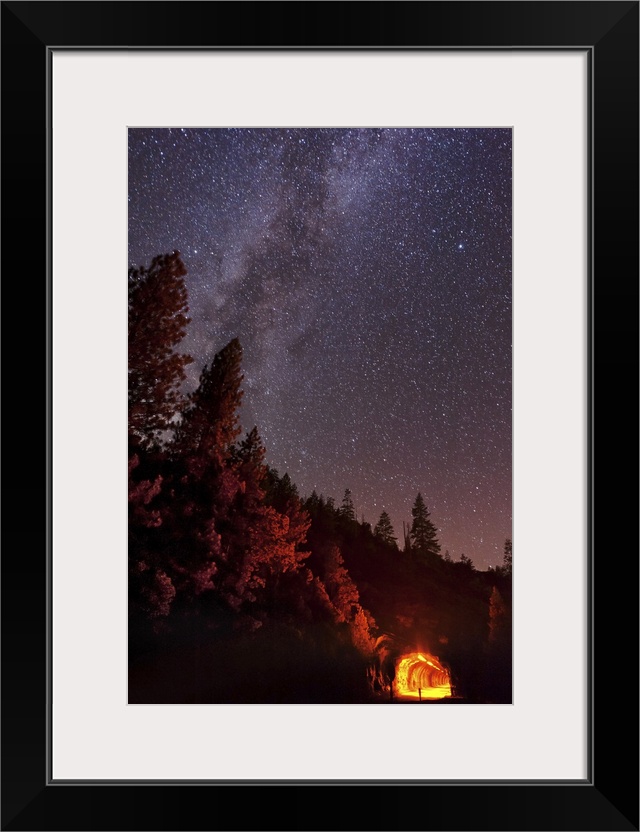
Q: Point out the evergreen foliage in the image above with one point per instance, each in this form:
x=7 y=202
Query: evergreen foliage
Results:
x=228 y=564
x=384 y=530
x=423 y=535
x=157 y=324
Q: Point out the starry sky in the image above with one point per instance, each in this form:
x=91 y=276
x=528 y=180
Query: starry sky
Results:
x=367 y=274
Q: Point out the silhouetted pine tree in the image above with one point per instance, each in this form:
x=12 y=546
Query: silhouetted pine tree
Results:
x=384 y=530
x=423 y=535
x=507 y=562
x=347 y=509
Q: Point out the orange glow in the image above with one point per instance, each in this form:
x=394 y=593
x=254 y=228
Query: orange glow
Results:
x=421 y=677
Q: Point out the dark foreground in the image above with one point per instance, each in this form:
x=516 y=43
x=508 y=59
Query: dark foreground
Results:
x=263 y=670
x=256 y=671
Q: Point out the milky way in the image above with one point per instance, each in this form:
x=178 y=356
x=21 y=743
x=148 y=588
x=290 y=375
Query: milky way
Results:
x=367 y=274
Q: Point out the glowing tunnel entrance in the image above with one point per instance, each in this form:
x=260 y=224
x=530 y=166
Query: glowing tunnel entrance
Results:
x=421 y=676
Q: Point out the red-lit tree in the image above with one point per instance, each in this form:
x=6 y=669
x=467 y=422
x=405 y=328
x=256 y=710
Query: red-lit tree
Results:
x=151 y=591
x=210 y=423
x=265 y=536
x=204 y=483
x=157 y=323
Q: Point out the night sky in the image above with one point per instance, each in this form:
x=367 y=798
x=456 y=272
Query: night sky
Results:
x=367 y=274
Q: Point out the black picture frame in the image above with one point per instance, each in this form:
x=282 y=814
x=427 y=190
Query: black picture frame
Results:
x=608 y=799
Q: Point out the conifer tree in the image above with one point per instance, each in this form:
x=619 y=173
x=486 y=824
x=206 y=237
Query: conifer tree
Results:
x=281 y=492
x=248 y=458
x=157 y=311
x=347 y=509
x=384 y=530
x=157 y=323
x=498 y=617
x=205 y=481
x=211 y=421
x=151 y=591
x=507 y=563
x=423 y=535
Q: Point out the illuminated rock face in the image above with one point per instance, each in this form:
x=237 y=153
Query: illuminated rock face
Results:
x=420 y=675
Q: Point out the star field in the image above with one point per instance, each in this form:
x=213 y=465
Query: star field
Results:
x=367 y=274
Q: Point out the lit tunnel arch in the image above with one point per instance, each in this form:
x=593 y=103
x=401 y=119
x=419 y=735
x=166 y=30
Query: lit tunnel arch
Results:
x=421 y=676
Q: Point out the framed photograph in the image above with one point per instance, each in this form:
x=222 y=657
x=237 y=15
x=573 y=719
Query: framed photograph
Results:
x=485 y=152
x=324 y=375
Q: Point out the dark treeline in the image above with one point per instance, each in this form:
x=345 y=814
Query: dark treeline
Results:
x=240 y=590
